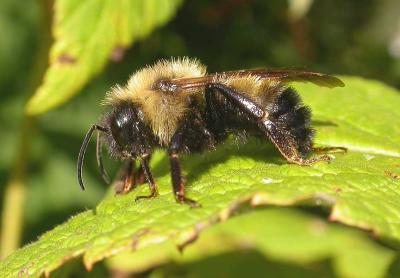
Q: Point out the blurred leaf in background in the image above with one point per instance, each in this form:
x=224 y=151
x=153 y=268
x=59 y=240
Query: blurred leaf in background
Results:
x=19 y=25
x=89 y=33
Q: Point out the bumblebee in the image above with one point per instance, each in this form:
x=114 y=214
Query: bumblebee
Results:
x=175 y=105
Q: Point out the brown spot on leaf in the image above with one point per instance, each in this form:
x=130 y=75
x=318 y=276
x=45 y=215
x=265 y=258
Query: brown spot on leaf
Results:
x=338 y=190
x=137 y=236
x=392 y=175
x=117 y=53
x=23 y=272
x=66 y=59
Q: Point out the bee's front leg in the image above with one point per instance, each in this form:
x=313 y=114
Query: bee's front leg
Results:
x=144 y=161
x=124 y=181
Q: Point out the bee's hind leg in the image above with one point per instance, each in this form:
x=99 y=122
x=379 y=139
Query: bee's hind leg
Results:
x=287 y=145
x=293 y=138
x=288 y=126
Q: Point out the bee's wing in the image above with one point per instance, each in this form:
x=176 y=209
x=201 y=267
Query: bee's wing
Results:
x=283 y=75
x=288 y=75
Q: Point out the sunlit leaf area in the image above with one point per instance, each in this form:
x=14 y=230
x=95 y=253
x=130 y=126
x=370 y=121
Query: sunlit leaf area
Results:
x=260 y=216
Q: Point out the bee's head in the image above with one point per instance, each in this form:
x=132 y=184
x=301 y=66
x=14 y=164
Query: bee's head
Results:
x=124 y=132
x=127 y=136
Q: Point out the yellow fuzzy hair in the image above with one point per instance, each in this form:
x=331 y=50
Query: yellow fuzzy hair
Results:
x=261 y=91
x=162 y=110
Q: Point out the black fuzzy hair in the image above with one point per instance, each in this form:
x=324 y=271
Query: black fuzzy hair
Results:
x=135 y=137
x=290 y=114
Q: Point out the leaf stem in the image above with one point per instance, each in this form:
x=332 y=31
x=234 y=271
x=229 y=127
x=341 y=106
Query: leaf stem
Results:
x=15 y=195
x=15 y=192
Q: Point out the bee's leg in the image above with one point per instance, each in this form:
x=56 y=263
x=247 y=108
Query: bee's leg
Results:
x=128 y=181
x=124 y=179
x=176 y=172
x=282 y=135
x=242 y=102
x=287 y=145
x=139 y=176
x=178 y=183
x=144 y=161
x=287 y=125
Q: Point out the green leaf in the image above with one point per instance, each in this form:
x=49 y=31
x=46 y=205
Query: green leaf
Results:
x=87 y=34
x=362 y=116
x=309 y=242
x=361 y=187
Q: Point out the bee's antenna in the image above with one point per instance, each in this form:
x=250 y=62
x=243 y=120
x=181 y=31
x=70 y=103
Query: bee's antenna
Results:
x=99 y=148
x=82 y=151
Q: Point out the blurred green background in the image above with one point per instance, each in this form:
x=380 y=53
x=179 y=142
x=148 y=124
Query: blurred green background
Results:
x=347 y=37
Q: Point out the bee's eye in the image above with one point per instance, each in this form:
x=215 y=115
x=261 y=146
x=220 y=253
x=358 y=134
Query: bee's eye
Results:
x=122 y=129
